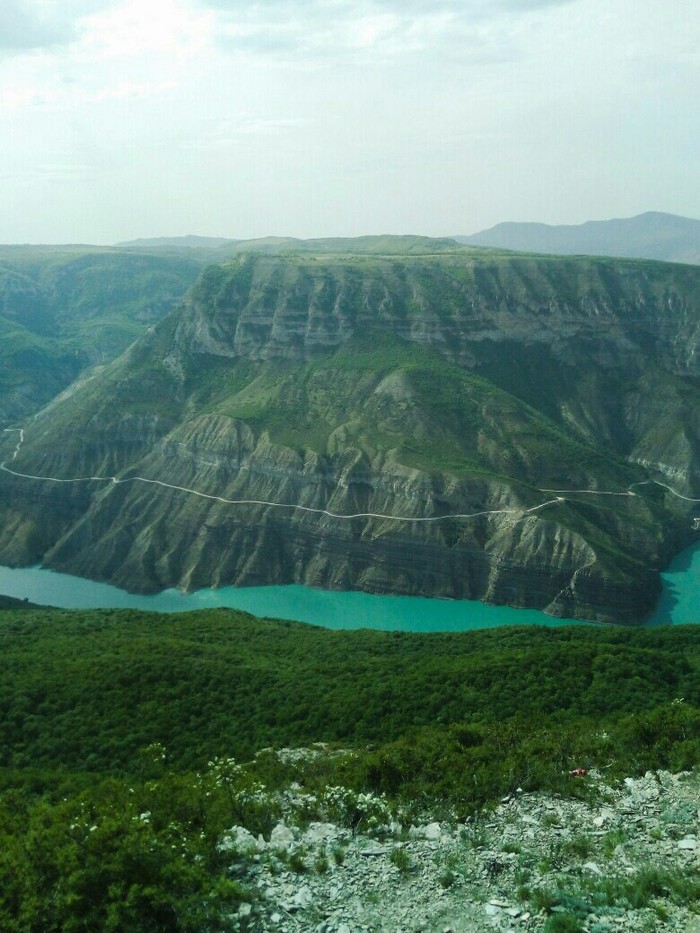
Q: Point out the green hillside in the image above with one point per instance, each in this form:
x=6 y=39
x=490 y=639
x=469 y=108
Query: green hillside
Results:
x=85 y=690
x=63 y=309
x=132 y=743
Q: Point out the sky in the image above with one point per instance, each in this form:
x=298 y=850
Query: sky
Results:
x=137 y=118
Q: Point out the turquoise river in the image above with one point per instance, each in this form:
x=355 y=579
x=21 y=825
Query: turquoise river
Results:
x=680 y=602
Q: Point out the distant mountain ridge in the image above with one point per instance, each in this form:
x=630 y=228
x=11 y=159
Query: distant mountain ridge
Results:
x=214 y=249
x=652 y=235
x=178 y=242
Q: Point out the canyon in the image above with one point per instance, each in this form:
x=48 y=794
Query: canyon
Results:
x=413 y=419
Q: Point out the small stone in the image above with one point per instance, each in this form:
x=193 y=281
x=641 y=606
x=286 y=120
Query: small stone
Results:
x=689 y=844
x=303 y=898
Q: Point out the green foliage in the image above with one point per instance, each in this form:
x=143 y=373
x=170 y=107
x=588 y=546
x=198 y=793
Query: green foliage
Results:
x=563 y=923
x=121 y=856
x=400 y=858
x=569 y=905
x=87 y=690
x=135 y=719
x=338 y=854
x=447 y=878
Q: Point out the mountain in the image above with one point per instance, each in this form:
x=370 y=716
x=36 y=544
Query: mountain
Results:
x=446 y=423
x=653 y=235
x=176 y=242
x=64 y=309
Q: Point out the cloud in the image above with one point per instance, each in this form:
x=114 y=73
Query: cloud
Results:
x=369 y=30
x=25 y=26
x=32 y=25
x=40 y=96
x=470 y=7
x=137 y=28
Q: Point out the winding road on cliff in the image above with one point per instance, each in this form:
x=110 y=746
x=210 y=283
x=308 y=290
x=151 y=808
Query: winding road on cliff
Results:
x=522 y=513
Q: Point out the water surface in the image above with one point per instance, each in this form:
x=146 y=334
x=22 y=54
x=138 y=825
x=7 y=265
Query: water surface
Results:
x=680 y=602
x=332 y=609
x=680 y=598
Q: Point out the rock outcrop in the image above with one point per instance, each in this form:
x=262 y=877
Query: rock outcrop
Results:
x=621 y=858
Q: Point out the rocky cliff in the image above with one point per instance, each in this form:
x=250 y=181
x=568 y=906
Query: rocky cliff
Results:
x=447 y=424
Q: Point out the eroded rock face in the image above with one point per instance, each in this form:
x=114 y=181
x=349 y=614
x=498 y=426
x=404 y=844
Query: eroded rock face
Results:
x=267 y=308
x=236 y=442
x=147 y=537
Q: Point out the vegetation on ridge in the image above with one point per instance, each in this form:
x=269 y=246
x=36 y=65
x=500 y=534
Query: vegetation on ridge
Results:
x=123 y=735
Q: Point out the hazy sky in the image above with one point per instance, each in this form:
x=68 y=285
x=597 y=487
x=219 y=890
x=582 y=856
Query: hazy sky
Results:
x=128 y=118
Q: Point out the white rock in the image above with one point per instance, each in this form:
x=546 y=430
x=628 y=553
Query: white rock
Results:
x=689 y=844
x=281 y=837
x=238 y=839
x=433 y=832
x=321 y=833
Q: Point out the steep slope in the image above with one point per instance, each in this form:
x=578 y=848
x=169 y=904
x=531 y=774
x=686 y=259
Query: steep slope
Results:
x=653 y=235
x=354 y=404
x=63 y=309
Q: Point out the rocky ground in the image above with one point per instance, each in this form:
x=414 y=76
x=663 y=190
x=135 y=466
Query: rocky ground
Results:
x=617 y=858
